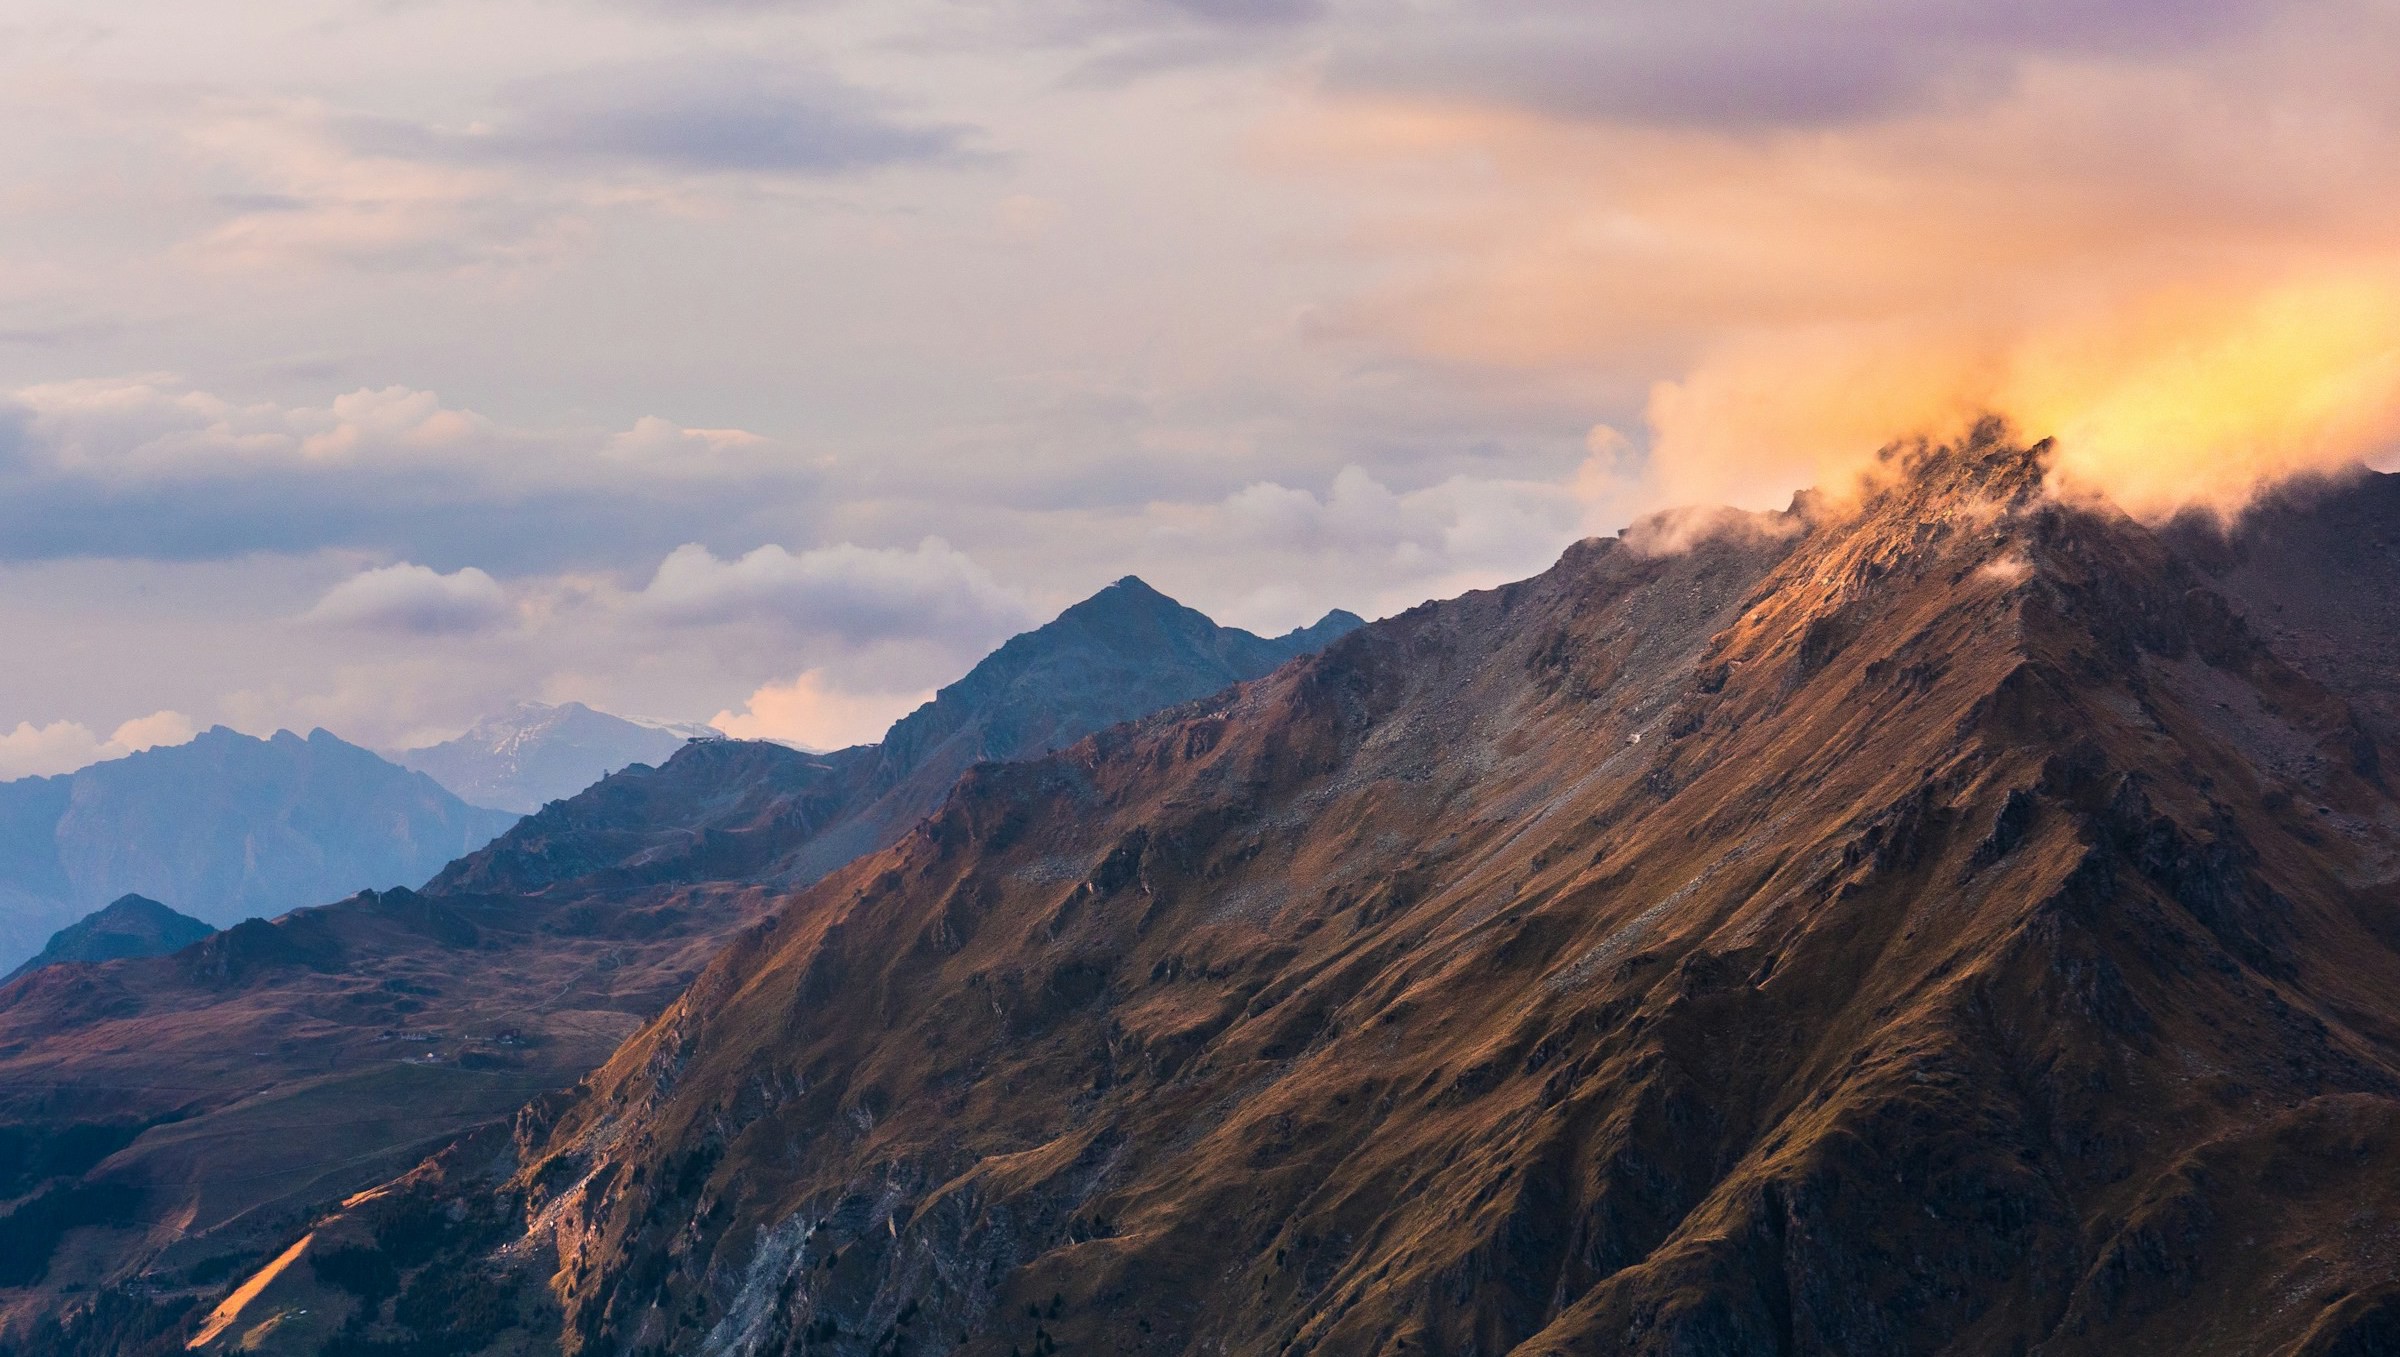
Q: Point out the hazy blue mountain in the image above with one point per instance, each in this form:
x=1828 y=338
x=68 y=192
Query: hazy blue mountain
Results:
x=535 y=753
x=133 y=926
x=228 y=826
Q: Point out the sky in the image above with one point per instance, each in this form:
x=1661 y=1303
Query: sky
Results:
x=378 y=365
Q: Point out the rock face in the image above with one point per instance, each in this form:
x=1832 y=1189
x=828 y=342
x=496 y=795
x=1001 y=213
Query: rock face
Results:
x=1944 y=926
x=131 y=926
x=535 y=753
x=276 y=1068
x=227 y=826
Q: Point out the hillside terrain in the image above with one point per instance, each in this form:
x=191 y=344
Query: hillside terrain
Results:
x=227 y=826
x=535 y=753
x=171 y=1118
x=1958 y=923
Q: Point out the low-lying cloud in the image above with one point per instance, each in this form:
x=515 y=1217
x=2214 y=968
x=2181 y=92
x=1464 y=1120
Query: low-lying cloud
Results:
x=64 y=746
x=814 y=712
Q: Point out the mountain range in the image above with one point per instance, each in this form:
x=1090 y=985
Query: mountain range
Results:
x=173 y=1116
x=223 y=828
x=535 y=753
x=1959 y=922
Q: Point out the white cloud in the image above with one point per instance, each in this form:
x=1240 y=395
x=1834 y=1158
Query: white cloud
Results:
x=64 y=746
x=59 y=747
x=813 y=712
x=415 y=600
x=857 y=594
x=149 y=732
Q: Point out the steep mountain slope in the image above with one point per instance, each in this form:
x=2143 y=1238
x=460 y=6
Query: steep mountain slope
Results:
x=1939 y=928
x=241 y=1085
x=228 y=826
x=535 y=753
x=131 y=926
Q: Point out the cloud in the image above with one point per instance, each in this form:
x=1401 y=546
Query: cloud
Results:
x=1378 y=550
x=415 y=600
x=812 y=712
x=313 y=192
x=2181 y=266
x=149 y=732
x=707 y=116
x=38 y=751
x=149 y=466
x=64 y=746
x=1776 y=64
x=851 y=593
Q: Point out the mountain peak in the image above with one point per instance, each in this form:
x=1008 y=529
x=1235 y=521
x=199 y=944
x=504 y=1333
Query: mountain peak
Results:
x=537 y=752
x=1990 y=462
x=129 y=926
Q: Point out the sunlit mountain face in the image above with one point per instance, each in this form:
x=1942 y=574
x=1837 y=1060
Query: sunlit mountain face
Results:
x=1860 y=822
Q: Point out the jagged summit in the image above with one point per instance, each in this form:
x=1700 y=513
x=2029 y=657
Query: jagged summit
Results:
x=1917 y=933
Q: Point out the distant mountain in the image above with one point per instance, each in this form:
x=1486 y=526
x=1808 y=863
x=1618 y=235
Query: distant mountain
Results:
x=133 y=926
x=535 y=753
x=228 y=826
x=281 y=1066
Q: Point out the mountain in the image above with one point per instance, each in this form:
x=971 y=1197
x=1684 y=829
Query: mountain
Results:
x=535 y=753
x=762 y=814
x=131 y=926
x=1957 y=923
x=191 y=1108
x=228 y=826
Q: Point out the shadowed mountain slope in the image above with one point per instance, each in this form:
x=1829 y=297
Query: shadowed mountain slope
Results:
x=1943 y=928
x=227 y=826
x=131 y=926
x=2314 y=570
x=251 y=1081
